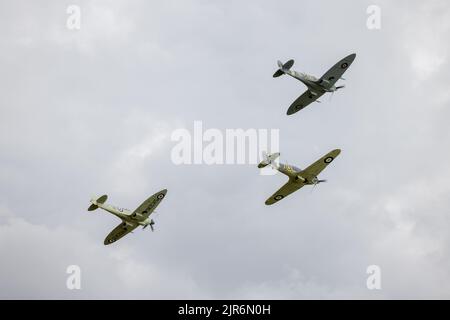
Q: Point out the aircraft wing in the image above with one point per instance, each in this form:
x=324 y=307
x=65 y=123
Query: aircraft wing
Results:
x=119 y=232
x=147 y=207
x=304 y=100
x=288 y=188
x=317 y=167
x=336 y=71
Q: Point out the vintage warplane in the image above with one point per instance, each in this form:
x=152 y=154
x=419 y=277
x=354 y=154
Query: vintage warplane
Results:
x=316 y=87
x=130 y=220
x=297 y=177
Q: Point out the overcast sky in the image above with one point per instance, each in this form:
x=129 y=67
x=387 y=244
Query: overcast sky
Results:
x=91 y=111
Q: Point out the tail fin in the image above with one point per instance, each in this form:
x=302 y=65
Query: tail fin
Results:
x=283 y=68
x=96 y=202
x=268 y=159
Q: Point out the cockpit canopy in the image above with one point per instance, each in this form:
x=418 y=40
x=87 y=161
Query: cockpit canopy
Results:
x=309 y=77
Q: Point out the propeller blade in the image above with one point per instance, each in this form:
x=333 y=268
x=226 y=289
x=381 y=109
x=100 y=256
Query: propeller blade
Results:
x=316 y=183
x=151 y=225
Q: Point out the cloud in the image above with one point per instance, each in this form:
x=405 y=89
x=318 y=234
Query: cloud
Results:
x=38 y=256
x=423 y=32
x=92 y=111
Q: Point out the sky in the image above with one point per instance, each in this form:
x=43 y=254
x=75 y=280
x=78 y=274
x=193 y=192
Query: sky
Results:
x=91 y=111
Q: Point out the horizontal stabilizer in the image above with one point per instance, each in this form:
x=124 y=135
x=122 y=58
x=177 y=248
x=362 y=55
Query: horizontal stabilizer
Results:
x=92 y=207
x=288 y=64
x=268 y=159
x=278 y=73
x=283 y=68
x=96 y=202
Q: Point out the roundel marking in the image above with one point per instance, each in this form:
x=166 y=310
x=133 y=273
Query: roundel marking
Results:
x=344 y=65
x=278 y=197
x=160 y=196
x=328 y=159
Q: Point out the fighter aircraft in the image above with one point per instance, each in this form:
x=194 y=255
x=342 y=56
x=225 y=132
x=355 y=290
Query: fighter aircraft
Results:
x=316 y=87
x=130 y=220
x=297 y=177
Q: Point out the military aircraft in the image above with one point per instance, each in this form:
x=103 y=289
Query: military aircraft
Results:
x=130 y=220
x=297 y=177
x=316 y=87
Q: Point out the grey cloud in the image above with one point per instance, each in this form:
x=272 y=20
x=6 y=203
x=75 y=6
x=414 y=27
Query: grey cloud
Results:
x=91 y=111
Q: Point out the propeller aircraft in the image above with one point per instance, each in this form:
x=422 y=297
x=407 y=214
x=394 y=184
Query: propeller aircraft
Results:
x=316 y=87
x=297 y=177
x=130 y=220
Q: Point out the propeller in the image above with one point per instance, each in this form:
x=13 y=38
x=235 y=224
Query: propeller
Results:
x=331 y=96
x=316 y=182
x=149 y=224
x=336 y=89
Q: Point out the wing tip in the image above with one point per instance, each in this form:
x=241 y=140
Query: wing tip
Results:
x=292 y=110
x=334 y=153
x=272 y=200
x=351 y=57
x=163 y=192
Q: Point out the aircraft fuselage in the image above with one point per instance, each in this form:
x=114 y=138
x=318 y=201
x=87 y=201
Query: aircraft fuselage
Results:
x=295 y=174
x=125 y=215
x=314 y=85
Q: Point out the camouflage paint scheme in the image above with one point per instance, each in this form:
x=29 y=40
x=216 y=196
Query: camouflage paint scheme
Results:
x=130 y=220
x=316 y=87
x=297 y=177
